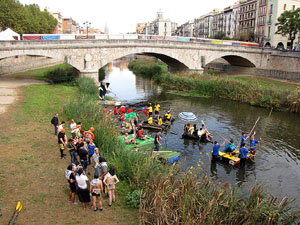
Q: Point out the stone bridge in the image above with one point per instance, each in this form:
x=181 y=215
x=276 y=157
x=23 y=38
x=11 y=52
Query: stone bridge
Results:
x=88 y=56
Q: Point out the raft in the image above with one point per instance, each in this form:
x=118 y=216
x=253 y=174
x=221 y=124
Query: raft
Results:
x=234 y=160
x=145 y=125
x=187 y=135
x=106 y=102
x=146 y=147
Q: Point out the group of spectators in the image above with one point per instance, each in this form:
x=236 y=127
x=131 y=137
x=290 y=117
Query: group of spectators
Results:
x=84 y=152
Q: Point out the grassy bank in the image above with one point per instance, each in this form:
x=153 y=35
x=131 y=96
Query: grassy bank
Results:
x=264 y=93
x=32 y=171
x=165 y=194
x=39 y=74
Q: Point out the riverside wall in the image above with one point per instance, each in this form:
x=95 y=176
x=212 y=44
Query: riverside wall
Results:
x=23 y=63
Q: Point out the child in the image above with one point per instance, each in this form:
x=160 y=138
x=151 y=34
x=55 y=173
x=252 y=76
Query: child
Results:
x=128 y=140
x=110 y=180
x=96 y=188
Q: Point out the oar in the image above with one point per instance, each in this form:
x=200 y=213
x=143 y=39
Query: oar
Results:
x=254 y=126
x=17 y=208
x=202 y=121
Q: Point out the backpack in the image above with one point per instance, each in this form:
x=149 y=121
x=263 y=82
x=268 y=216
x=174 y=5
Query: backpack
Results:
x=52 y=121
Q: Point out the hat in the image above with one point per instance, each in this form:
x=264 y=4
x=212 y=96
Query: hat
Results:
x=92 y=128
x=63 y=130
x=72 y=121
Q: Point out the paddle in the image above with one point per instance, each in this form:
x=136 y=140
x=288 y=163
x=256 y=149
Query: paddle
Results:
x=19 y=210
x=19 y=205
x=254 y=126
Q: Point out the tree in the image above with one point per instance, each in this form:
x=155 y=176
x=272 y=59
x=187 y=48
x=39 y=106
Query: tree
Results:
x=289 y=24
x=25 y=19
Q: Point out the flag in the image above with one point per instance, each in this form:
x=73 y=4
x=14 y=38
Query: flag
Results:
x=144 y=110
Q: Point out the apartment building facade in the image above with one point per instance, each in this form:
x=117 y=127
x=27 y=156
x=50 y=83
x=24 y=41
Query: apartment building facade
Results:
x=274 y=9
x=247 y=16
x=217 y=22
x=231 y=20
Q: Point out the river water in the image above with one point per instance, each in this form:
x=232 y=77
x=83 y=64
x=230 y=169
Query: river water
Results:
x=277 y=164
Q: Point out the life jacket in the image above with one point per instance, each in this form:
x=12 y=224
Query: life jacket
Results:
x=160 y=121
x=150 y=120
x=150 y=109
x=168 y=116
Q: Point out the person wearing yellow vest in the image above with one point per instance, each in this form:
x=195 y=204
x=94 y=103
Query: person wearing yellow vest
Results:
x=168 y=116
x=150 y=120
x=150 y=110
x=156 y=108
x=160 y=121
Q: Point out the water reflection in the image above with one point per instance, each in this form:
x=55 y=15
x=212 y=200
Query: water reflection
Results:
x=278 y=154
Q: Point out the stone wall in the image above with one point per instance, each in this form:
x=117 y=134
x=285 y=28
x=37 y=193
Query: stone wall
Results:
x=278 y=74
x=23 y=63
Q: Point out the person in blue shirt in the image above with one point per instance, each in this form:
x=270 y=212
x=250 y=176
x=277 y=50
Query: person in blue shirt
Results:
x=243 y=155
x=253 y=143
x=216 y=148
x=243 y=139
x=229 y=147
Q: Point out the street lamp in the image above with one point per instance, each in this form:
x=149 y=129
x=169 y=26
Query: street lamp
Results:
x=87 y=24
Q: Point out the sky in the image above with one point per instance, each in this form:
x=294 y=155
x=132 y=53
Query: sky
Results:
x=121 y=16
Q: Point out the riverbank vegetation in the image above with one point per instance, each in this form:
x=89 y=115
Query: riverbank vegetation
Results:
x=258 y=92
x=164 y=193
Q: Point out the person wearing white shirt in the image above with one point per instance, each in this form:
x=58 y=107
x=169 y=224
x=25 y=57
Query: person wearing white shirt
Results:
x=73 y=128
x=83 y=192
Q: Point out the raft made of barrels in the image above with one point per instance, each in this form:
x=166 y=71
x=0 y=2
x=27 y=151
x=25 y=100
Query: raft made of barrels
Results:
x=187 y=135
x=145 y=125
x=106 y=102
x=233 y=158
x=146 y=147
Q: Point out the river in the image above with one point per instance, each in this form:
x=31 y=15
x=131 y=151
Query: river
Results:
x=277 y=164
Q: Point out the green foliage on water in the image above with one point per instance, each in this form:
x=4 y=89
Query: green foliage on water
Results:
x=147 y=67
x=257 y=92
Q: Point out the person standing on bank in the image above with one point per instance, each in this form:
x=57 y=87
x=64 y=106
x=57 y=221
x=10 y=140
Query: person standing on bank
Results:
x=62 y=142
x=73 y=128
x=156 y=141
x=55 y=123
x=243 y=152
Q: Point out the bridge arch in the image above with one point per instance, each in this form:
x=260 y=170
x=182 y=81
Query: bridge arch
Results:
x=174 y=61
x=40 y=53
x=234 y=60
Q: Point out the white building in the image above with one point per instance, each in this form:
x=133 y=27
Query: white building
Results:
x=231 y=20
x=160 y=26
x=275 y=9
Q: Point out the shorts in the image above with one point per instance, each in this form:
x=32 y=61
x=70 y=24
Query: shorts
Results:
x=95 y=194
x=111 y=187
x=61 y=146
x=150 y=113
x=83 y=195
x=156 y=112
x=103 y=169
x=73 y=188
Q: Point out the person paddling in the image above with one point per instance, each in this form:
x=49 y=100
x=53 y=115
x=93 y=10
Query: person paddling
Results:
x=229 y=147
x=253 y=143
x=244 y=138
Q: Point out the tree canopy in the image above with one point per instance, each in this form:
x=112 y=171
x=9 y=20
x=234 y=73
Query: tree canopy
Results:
x=25 y=19
x=289 y=24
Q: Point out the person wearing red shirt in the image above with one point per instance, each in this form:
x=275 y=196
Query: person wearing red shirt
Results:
x=140 y=135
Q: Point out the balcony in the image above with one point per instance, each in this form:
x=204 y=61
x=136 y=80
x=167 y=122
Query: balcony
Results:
x=269 y=22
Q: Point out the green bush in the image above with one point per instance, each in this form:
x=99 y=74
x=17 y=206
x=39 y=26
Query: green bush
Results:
x=61 y=75
x=87 y=86
x=133 y=199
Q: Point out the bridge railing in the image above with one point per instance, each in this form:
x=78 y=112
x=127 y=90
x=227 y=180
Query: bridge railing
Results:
x=135 y=37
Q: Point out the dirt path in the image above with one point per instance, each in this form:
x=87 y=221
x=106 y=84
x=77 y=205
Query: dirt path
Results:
x=9 y=90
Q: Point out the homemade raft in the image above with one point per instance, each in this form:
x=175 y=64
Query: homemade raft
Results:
x=234 y=159
x=146 y=146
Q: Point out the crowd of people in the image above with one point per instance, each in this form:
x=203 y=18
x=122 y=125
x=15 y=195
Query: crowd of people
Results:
x=229 y=148
x=83 y=152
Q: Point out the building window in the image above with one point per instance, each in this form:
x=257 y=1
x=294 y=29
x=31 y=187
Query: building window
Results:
x=293 y=7
x=269 y=32
x=284 y=7
x=271 y=8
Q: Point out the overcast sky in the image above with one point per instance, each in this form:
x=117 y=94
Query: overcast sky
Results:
x=122 y=16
